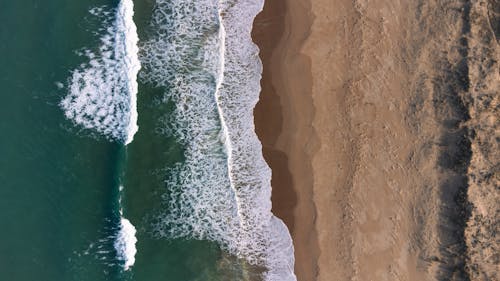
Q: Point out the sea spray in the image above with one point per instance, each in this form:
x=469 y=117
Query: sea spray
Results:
x=201 y=53
x=103 y=92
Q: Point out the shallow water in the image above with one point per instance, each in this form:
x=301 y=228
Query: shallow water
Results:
x=69 y=109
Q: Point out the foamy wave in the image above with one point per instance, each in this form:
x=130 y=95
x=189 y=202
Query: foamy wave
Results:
x=211 y=71
x=103 y=92
x=263 y=233
x=125 y=243
x=183 y=57
x=125 y=239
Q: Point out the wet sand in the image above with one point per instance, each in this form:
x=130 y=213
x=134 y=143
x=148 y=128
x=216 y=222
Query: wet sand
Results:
x=379 y=120
x=283 y=123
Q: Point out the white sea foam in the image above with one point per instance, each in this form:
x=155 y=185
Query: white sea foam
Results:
x=103 y=92
x=103 y=97
x=203 y=55
x=250 y=176
x=125 y=239
x=125 y=243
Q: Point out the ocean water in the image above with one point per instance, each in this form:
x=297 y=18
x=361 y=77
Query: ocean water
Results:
x=128 y=147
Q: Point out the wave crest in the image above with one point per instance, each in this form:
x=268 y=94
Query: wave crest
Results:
x=102 y=92
x=202 y=54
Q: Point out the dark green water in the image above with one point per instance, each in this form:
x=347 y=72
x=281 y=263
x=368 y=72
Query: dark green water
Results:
x=59 y=185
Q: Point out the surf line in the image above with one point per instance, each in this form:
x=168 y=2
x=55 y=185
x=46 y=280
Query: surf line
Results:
x=131 y=60
x=125 y=239
x=125 y=243
x=103 y=98
x=103 y=92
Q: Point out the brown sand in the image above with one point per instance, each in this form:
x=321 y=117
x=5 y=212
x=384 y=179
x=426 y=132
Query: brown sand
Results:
x=285 y=131
x=380 y=122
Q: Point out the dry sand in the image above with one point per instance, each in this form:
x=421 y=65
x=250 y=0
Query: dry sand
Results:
x=380 y=122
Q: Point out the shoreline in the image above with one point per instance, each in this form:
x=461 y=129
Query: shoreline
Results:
x=282 y=117
x=365 y=117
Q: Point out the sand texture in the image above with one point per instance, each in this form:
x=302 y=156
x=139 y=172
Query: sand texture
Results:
x=380 y=121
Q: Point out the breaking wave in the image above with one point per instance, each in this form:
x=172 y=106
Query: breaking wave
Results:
x=125 y=239
x=103 y=97
x=103 y=92
x=201 y=53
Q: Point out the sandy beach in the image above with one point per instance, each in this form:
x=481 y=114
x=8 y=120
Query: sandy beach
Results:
x=379 y=120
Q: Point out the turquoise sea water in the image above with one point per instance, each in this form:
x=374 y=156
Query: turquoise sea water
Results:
x=59 y=181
